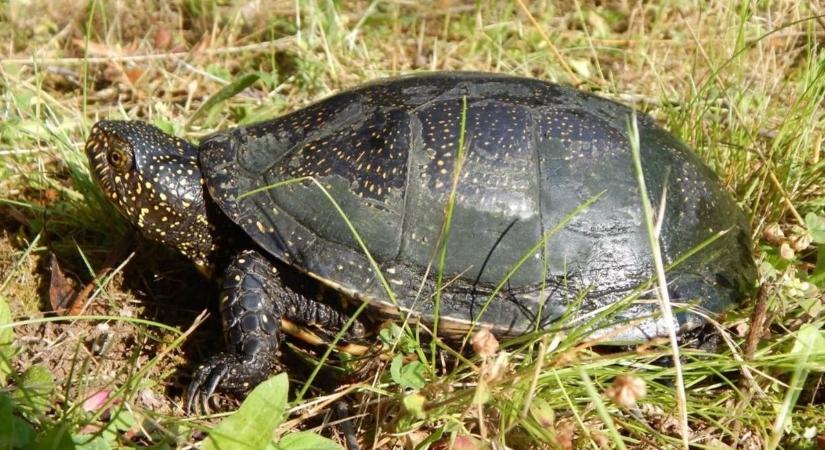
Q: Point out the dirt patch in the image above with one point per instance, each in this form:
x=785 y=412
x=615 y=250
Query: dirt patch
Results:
x=91 y=353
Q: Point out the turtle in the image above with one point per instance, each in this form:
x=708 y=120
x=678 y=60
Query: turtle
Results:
x=458 y=199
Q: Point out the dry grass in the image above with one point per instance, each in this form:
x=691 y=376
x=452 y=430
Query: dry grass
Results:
x=741 y=82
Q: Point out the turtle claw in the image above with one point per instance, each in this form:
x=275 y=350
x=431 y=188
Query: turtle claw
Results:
x=204 y=382
x=224 y=370
x=227 y=372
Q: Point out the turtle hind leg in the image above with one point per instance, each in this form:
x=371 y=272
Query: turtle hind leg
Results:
x=253 y=301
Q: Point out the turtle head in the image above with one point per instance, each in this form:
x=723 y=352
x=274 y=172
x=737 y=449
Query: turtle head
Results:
x=154 y=180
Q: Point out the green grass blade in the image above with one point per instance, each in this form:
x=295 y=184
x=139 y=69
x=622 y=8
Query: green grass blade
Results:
x=445 y=229
x=228 y=91
x=658 y=263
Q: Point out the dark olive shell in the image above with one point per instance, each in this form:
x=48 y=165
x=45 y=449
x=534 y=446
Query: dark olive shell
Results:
x=533 y=152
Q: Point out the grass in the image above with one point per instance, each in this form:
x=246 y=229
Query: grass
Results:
x=742 y=83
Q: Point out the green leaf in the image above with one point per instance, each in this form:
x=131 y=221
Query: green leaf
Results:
x=226 y=92
x=14 y=431
x=56 y=438
x=124 y=421
x=407 y=375
x=218 y=71
x=412 y=375
x=34 y=391
x=395 y=368
x=269 y=79
x=816 y=226
x=165 y=126
x=542 y=413
x=396 y=336
x=6 y=341
x=305 y=440
x=252 y=425
x=390 y=334
x=414 y=404
x=85 y=442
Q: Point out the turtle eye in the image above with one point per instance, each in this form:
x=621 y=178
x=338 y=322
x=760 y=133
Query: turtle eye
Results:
x=119 y=157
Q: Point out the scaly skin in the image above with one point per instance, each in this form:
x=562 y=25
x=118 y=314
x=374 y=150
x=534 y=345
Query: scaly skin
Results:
x=252 y=302
x=154 y=181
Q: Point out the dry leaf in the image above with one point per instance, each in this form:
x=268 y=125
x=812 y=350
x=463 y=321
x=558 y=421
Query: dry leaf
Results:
x=134 y=74
x=62 y=292
x=626 y=390
x=565 y=433
x=96 y=49
x=785 y=251
x=484 y=343
x=163 y=38
x=773 y=234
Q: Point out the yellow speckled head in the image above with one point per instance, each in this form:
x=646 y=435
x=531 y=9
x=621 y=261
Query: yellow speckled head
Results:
x=154 y=181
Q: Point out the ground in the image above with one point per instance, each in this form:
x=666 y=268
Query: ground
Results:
x=742 y=83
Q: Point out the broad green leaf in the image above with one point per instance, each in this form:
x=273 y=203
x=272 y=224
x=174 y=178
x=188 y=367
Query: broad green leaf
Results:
x=34 y=391
x=84 y=442
x=14 y=431
x=252 y=425
x=396 y=336
x=395 y=368
x=218 y=71
x=414 y=404
x=124 y=420
x=542 y=413
x=6 y=340
x=412 y=375
x=816 y=226
x=226 y=92
x=409 y=375
x=56 y=438
x=305 y=440
x=390 y=334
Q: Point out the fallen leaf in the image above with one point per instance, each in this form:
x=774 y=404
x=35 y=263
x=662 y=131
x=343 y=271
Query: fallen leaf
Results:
x=150 y=399
x=484 y=343
x=134 y=74
x=163 y=38
x=565 y=433
x=50 y=196
x=773 y=234
x=64 y=297
x=626 y=390
x=62 y=290
x=96 y=49
x=786 y=251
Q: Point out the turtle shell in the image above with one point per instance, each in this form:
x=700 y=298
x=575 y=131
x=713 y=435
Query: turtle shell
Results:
x=533 y=152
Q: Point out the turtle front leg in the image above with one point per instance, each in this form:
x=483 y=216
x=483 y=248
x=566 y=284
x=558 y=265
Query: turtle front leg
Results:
x=253 y=301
